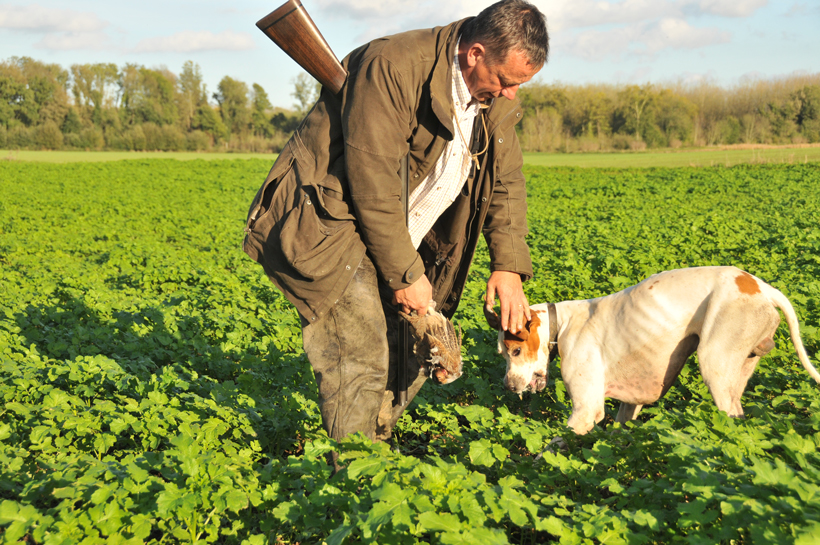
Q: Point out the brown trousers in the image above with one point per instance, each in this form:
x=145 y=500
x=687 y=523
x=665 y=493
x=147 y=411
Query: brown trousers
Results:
x=353 y=350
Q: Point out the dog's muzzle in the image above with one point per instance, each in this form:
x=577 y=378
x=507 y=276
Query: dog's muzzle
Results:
x=518 y=383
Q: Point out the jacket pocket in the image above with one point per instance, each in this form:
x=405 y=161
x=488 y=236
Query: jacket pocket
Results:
x=312 y=241
x=264 y=201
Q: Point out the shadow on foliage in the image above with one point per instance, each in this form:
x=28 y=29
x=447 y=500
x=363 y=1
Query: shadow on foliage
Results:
x=270 y=389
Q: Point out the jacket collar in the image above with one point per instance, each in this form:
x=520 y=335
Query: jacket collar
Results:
x=441 y=81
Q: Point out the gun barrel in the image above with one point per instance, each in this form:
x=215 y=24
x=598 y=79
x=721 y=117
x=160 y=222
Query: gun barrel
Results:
x=291 y=28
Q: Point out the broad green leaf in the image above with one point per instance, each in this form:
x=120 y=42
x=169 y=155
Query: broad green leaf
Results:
x=446 y=522
x=481 y=453
x=236 y=500
x=366 y=467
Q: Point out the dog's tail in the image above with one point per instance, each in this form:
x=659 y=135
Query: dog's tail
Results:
x=782 y=302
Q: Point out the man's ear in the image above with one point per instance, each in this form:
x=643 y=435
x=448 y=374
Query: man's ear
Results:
x=475 y=53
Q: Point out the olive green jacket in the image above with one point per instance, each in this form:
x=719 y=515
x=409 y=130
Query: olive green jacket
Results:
x=334 y=191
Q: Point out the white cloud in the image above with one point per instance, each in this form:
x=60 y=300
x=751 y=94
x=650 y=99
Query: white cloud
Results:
x=588 y=13
x=563 y=14
x=375 y=18
x=597 y=45
x=189 y=41
x=39 y=19
x=69 y=41
x=388 y=11
x=641 y=39
x=678 y=34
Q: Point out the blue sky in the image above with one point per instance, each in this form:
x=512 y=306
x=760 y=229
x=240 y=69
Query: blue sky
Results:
x=592 y=41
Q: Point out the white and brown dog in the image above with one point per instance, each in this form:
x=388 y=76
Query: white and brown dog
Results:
x=631 y=345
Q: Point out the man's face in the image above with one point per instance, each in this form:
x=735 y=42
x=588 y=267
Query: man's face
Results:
x=501 y=79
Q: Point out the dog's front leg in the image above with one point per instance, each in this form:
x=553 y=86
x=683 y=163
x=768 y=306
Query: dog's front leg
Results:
x=585 y=384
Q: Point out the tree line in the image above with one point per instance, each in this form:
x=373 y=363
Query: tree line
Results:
x=132 y=107
x=568 y=118
x=100 y=106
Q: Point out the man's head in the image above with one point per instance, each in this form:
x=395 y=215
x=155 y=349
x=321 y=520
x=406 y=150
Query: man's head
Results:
x=503 y=47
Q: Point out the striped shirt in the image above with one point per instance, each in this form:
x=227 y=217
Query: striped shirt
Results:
x=441 y=187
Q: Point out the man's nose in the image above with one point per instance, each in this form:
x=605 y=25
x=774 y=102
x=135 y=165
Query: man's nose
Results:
x=509 y=92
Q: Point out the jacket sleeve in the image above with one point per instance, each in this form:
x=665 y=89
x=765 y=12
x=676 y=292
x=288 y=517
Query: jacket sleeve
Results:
x=505 y=227
x=376 y=119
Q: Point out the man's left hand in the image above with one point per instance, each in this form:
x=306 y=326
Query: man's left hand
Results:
x=515 y=310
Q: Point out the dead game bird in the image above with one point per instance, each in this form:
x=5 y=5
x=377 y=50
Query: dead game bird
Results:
x=437 y=343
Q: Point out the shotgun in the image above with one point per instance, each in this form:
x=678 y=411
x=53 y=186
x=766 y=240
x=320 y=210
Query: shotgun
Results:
x=291 y=28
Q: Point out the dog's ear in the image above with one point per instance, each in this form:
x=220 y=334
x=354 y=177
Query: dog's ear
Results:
x=521 y=336
x=492 y=317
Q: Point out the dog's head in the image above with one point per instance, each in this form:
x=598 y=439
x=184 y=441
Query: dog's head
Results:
x=526 y=354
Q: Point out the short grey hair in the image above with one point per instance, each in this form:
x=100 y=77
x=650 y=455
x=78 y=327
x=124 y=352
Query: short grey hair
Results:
x=509 y=25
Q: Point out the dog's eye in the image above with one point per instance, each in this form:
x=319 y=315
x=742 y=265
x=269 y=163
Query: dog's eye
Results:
x=516 y=352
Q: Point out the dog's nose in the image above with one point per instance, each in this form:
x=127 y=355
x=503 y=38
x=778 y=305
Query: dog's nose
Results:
x=515 y=383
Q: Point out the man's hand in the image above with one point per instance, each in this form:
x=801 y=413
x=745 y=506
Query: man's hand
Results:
x=415 y=297
x=515 y=310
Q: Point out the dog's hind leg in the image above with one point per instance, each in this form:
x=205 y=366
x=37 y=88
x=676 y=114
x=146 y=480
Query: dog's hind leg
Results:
x=745 y=373
x=727 y=376
x=627 y=412
x=731 y=344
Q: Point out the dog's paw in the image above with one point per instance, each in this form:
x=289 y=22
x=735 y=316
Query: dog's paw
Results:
x=555 y=445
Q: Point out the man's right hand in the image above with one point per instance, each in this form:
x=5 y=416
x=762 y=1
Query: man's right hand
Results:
x=415 y=297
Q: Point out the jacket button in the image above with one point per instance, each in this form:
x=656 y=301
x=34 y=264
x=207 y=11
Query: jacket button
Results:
x=308 y=202
x=410 y=276
x=347 y=267
x=483 y=199
x=500 y=140
x=416 y=175
x=518 y=114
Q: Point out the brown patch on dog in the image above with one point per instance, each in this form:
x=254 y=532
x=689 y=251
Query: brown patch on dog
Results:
x=747 y=284
x=529 y=344
x=653 y=284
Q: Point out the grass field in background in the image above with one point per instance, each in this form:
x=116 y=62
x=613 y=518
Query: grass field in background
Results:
x=679 y=158
x=625 y=159
x=99 y=156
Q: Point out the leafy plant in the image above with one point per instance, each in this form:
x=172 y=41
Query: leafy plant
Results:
x=154 y=388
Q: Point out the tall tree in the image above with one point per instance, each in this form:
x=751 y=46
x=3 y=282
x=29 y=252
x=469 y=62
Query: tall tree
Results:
x=147 y=96
x=260 y=106
x=48 y=84
x=192 y=93
x=207 y=120
x=587 y=111
x=232 y=97
x=807 y=101
x=93 y=88
x=635 y=100
x=17 y=103
x=306 y=92
x=675 y=116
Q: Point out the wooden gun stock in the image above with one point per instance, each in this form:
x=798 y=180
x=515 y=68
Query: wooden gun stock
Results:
x=291 y=28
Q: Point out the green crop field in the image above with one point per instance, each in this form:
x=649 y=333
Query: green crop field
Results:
x=154 y=389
